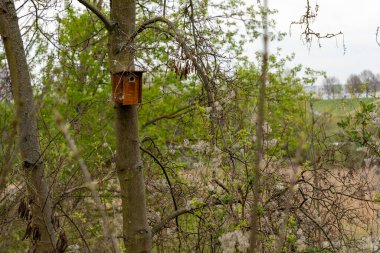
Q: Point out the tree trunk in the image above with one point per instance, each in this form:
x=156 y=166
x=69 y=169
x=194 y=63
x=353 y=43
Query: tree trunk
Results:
x=42 y=233
x=136 y=232
x=258 y=163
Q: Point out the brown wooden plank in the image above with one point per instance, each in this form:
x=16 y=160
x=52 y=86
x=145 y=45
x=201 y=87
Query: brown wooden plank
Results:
x=131 y=90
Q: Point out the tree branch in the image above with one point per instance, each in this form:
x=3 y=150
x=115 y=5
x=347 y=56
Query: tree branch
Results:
x=98 y=13
x=201 y=71
x=173 y=115
x=173 y=31
x=307 y=19
x=181 y=211
x=167 y=179
x=107 y=228
x=76 y=227
x=320 y=227
x=170 y=217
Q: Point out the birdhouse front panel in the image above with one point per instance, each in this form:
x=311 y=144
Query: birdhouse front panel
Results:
x=127 y=87
x=131 y=90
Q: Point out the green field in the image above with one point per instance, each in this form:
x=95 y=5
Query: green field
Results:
x=339 y=107
x=331 y=111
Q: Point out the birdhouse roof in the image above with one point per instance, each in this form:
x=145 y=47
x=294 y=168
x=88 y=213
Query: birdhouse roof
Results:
x=129 y=71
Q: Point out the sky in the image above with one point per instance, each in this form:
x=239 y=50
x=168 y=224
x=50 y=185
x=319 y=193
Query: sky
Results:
x=358 y=20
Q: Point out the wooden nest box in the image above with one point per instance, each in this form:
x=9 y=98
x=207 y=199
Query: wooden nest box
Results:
x=127 y=87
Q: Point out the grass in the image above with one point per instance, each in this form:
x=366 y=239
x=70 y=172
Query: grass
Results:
x=339 y=107
x=331 y=111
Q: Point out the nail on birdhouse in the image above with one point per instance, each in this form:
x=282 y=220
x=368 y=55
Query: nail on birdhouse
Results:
x=127 y=87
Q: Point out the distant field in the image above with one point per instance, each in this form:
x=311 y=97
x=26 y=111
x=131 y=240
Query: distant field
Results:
x=334 y=110
x=338 y=107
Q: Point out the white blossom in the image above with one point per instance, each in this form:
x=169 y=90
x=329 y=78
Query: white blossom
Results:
x=73 y=248
x=373 y=115
x=301 y=241
x=218 y=106
x=211 y=187
x=367 y=162
x=326 y=244
x=270 y=143
x=362 y=149
x=217 y=161
x=318 y=220
x=228 y=97
x=280 y=186
x=208 y=109
x=154 y=216
x=234 y=240
x=201 y=146
x=198 y=165
x=266 y=128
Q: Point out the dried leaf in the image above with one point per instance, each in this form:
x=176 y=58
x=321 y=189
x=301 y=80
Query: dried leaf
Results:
x=36 y=234
x=62 y=242
x=28 y=231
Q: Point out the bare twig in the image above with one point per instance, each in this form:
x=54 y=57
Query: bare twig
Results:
x=166 y=177
x=307 y=19
x=108 y=232
x=172 y=115
x=10 y=156
x=76 y=227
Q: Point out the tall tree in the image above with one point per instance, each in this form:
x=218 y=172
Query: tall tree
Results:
x=40 y=226
x=354 y=85
x=258 y=163
x=331 y=87
x=370 y=81
x=136 y=232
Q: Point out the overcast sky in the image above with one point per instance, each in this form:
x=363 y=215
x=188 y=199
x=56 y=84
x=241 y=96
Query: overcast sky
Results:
x=358 y=20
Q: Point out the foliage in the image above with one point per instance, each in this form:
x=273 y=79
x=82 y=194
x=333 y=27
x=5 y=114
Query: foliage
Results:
x=209 y=175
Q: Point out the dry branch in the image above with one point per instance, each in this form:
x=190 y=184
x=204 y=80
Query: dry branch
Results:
x=108 y=232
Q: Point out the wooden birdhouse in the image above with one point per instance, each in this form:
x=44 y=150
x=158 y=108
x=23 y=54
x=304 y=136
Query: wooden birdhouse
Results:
x=127 y=87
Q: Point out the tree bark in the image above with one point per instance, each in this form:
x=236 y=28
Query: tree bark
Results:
x=42 y=233
x=258 y=163
x=136 y=232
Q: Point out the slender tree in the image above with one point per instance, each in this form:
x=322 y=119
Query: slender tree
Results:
x=331 y=87
x=369 y=80
x=136 y=232
x=40 y=226
x=260 y=133
x=354 y=85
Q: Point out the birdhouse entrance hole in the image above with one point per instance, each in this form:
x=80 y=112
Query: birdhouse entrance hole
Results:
x=127 y=87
